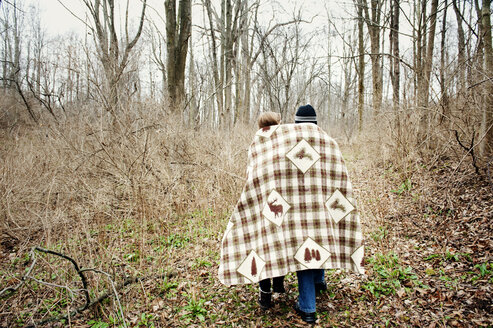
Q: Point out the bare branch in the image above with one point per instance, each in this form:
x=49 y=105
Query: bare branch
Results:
x=73 y=14
x=76 y=266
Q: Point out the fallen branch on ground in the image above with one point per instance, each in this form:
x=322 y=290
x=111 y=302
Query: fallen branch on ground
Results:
x=101 y=298
x=9 y=291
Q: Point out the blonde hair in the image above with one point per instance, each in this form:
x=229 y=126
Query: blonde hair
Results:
x=268 y=118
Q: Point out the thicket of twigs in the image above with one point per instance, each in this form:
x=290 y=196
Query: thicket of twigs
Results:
x=143 y=201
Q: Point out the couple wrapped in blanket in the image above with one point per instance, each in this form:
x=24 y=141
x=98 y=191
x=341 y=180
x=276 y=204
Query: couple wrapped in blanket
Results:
x=296 y=213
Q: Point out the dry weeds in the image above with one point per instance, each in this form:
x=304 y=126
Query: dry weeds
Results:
x=146 y=196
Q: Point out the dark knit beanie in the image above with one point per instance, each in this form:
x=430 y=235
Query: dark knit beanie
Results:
x=306 y=114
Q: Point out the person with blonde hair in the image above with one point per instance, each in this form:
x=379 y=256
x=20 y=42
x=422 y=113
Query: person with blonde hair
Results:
x=264 y=120
x=268 y=118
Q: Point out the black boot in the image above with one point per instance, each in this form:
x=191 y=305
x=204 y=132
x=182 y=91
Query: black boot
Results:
x=278 y=285
x=306 y=317
x=264 y=300
x=279 y=289
x=320 y=287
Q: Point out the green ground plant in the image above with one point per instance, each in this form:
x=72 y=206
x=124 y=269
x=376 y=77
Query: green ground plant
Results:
x=403 y=187
x=380 y=234
x=146 y=320
x=388 y=275
x=482 y=271
x=175 y=241
x=195 y=310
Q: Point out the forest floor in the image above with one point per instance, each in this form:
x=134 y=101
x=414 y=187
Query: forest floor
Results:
x=428 y=240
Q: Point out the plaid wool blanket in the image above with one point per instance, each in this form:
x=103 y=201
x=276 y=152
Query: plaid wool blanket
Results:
x=296 y=211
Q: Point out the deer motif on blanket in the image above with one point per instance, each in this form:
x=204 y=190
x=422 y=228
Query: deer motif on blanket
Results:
x=302 y=154
x=276 y=209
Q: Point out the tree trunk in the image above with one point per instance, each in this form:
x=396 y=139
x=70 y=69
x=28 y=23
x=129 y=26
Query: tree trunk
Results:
x=5 y=54
x=215 y=69
x=17 y=46
x=443 y=87
x=361 y=65
x=245 y=52
x=394 y=62
x=374 y=28
x=228 y=61
x=428 y=58
x=193 y=109
x=178 y=31
x=424 y=77
x=461 y=56
x=487 y=145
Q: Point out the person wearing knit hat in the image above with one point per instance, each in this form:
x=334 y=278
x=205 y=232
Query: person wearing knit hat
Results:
x=310 y=282
x=306 y=114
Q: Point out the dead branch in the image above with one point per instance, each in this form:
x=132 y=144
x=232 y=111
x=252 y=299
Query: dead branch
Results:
x=9 y=291
x=114 y=291
x=76 y=266
x=470 y=150
x=101 y=298
x=46 y=104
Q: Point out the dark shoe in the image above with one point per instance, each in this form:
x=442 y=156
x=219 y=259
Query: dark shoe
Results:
x=320 y=287
x=264 y=300
x=306 y=317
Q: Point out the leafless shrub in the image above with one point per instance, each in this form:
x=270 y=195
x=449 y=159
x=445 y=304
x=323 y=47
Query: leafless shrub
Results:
x=75 y=185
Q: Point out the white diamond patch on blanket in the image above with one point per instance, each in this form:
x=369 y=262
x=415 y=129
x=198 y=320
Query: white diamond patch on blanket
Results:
x=252 y=266
x=303 y=156
x=311 y=254
x=357 y=257
x=267 y=131
x=275 y=208
x=338 y=206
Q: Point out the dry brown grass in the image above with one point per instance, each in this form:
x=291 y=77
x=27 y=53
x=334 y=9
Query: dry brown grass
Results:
x=146 y=195
x=100 y=192
x=55 y=176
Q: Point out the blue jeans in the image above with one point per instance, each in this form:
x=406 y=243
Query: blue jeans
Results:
x=306 y=286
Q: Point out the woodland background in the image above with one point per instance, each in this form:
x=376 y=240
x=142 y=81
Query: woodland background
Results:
x=123 y=152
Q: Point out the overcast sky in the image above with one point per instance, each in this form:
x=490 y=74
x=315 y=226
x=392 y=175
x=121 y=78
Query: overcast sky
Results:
x=58 y=20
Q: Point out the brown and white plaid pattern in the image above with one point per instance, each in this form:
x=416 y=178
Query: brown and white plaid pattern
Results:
x=308 y=216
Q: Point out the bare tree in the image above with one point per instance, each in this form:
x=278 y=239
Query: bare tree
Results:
x=443 y=86
x=487 y=145
x=373 y=15
x=158 y=55
x=231 y=25
x=36 y=49
x=214 y=60
x=11 y=54
x=286 y=69
x=426 y=54
x=178 y=31
x=395 y=72
x=424 y=61
x=112 y=58
x=461 y=46
x=360 y=69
